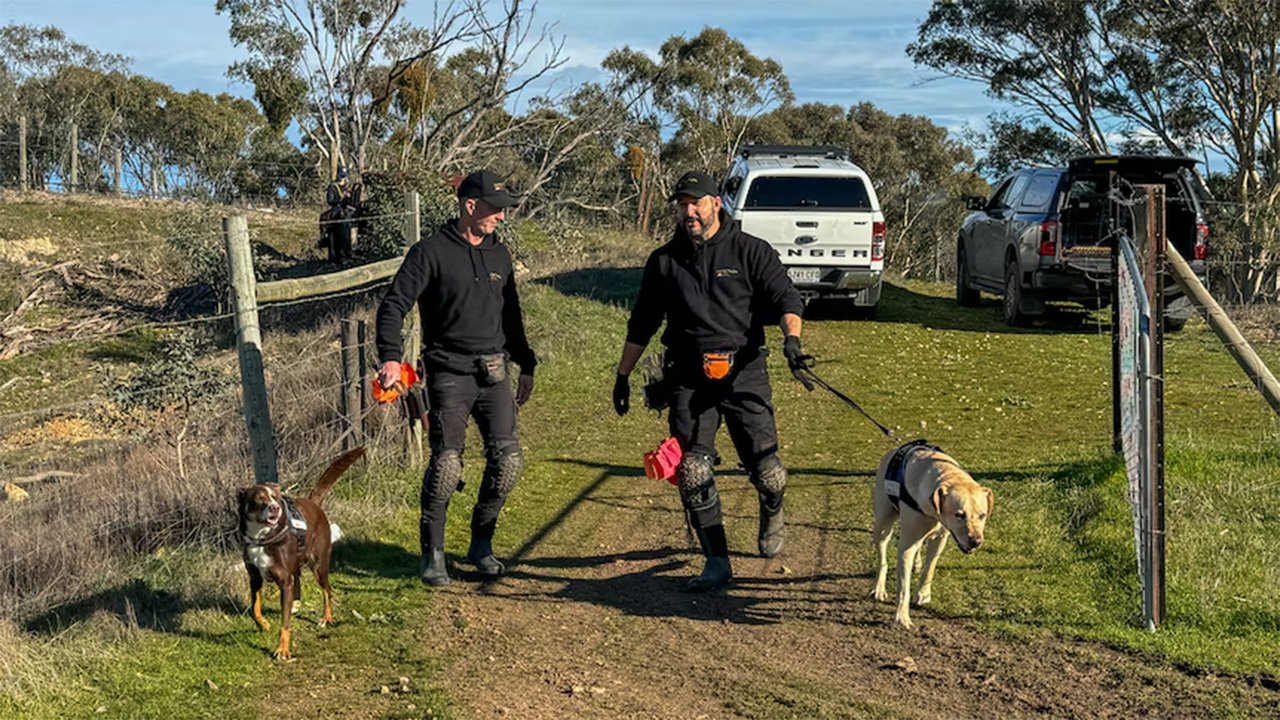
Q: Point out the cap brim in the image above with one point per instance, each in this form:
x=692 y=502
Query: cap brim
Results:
x=500 y=201
x=695 y=194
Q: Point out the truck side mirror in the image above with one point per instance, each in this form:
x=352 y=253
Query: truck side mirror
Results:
x=975 y=202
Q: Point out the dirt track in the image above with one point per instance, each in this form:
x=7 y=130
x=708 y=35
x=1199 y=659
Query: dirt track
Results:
x=592 y=621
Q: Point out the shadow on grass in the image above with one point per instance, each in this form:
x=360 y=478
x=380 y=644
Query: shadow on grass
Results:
x=902 y=305
x=653 y=592
x=610 y=286
x=373 y=558
x=134 y=604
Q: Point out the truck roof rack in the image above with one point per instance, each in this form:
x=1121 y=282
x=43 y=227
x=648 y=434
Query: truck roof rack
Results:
x=827 y=151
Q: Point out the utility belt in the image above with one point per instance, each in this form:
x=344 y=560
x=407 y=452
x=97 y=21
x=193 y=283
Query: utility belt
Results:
x=690 y=367
x=487 y=368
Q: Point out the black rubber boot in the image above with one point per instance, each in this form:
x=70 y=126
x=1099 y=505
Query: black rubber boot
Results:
x=481 y=555
x=716 y=574
x=771 y=529
x=432 y=570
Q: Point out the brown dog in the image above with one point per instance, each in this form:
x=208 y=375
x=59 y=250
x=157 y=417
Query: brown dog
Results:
x=276 y=547
x=935 y=498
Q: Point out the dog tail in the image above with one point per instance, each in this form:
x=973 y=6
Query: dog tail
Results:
x=330 y=476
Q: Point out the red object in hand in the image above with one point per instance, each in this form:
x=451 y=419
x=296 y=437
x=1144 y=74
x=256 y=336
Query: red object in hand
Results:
x=661 y=464
x=408 y=378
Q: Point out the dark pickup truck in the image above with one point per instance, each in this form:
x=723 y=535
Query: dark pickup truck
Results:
x=1045 y=234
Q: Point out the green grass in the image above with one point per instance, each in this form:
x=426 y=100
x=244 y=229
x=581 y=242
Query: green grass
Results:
x=1026 y=411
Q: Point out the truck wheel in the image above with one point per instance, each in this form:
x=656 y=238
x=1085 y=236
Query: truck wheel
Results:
x=966 y=296
x=1013 y=315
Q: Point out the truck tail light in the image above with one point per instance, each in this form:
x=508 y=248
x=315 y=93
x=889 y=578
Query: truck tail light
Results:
x=1049 y=238
x=1201 y=251
x=877 y=240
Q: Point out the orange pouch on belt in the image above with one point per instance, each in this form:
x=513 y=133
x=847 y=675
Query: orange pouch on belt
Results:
x=716 y=365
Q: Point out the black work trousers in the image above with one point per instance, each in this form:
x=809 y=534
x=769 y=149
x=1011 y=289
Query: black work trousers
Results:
x=743 y=400
x=454 y=398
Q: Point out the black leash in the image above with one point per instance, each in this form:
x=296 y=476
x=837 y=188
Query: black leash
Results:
x=807 y=377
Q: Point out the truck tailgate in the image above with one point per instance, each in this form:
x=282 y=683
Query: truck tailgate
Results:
x=823 y=238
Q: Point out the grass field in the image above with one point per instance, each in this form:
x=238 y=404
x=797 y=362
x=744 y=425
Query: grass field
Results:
x=1027 y=411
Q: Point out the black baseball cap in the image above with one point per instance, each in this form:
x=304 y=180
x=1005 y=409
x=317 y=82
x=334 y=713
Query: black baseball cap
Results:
x=696 y=185
x=488 y=186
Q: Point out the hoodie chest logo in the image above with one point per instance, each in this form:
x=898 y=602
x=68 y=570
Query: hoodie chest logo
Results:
x=727 y=272
x=495 y=278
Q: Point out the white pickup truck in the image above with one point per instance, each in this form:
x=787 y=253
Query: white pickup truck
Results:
x=819 y=211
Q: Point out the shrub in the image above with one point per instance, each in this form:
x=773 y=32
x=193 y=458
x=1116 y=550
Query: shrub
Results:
x=201 y=253
x=172 y=379
x=382 y=234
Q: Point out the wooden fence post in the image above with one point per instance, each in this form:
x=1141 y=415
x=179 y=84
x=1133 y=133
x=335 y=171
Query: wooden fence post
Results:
x=118 y=172
x=75 y=158
x=257 y=415
x=351 y=428
x=1236 y=344
x=411 y=336
x=362 y=382
x=22 y=153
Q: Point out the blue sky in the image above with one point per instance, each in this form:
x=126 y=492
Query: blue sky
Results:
x=833 y=51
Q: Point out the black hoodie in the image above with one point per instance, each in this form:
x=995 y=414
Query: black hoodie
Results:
x=466 y=295
x=715 y=295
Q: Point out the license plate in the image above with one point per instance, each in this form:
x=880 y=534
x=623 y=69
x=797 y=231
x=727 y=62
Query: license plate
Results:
x=805 y=275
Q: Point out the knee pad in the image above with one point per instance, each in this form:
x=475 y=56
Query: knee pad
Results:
x=695 y=476
x=503 y=470
x=443 y=475
x=769 y=476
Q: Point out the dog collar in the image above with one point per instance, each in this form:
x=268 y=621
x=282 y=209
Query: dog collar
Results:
x=278 y=534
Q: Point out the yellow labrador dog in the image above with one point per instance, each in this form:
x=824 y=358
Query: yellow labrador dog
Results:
x=934 y=497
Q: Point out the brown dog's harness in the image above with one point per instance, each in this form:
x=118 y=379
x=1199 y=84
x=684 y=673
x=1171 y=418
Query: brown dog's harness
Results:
x=894 y=486
x=292 y=522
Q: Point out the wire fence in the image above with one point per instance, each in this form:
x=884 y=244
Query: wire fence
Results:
x=98 y=520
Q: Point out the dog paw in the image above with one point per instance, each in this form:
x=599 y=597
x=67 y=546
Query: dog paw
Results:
x=923 y=598
x=262 y=623
x=880 y=595
x=902 y=620
x=282 y=655
x=326 y=621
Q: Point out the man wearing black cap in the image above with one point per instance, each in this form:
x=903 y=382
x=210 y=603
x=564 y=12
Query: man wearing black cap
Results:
x=717 y=288
x=462 y=281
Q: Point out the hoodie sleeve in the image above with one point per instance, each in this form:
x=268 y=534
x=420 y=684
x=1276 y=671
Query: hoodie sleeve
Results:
x=513 y=328
x=771 y=277
x=649 y=312
x=407 y=286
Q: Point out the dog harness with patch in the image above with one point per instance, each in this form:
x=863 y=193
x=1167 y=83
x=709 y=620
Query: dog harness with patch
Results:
x=297 y=523
x=893 y=475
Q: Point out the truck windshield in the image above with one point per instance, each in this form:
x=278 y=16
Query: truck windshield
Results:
x=810 y=193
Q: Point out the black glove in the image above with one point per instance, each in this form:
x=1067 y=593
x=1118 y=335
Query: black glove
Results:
x=797 y=360
x=622 y=394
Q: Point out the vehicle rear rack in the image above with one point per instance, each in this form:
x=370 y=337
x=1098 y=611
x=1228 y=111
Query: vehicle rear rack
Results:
x=827 y=151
